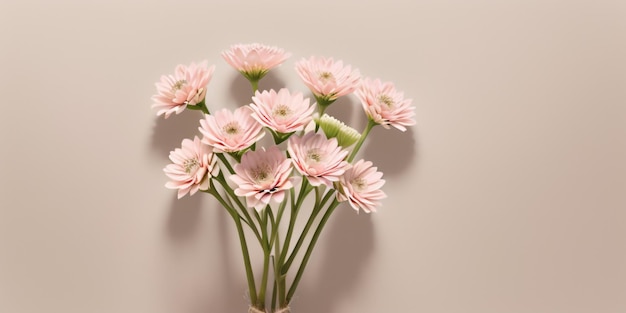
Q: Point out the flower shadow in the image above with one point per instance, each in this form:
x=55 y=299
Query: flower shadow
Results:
x=186 y=216
x=231 y=294
x=390 y=150
x=348 y=244
x=183 y=218
x=345 y=244
x=348 y=110
x=168 y=134
x=241 y=90
x=186 y=220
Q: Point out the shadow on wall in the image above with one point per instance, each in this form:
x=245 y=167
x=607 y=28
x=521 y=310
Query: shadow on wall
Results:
x=348 y=244
x=169 y=133
x=348 y=239
x=241 y=90
x=232 y=292
x=348 y=110
x=228 y=292
x=391 y=150
x=185 y=220
x=184 y=214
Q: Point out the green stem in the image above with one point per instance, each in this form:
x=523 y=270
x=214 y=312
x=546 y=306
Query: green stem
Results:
x=199 y=106
x=316 y=210
x=322 y=104
x=309 y=250
x=274 y=296
x=292 y=220
x=279 y=137
x=246 y=256
x=282 y=289
x=305 y=188
x=266 y=257
x=212 y=191
x=203 y=107
x=220 y=178
x=278 y=278
x=255 y=85
x=366 y=131
x=242 y=240
x=276 y=223
x=225 y=162
x=272 y=221
x=321 y=110
x=278 y=293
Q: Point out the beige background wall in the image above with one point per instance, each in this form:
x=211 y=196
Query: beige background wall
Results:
x=508 y=196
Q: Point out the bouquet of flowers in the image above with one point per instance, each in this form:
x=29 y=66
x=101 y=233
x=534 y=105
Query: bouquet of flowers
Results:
x=311 y=155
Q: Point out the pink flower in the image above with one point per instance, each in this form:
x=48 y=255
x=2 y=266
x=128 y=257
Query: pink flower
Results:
x=192 y=166
x=360 y=185
x=186 y=87
x=228 y=131
x=262 y=175
x=384 y=105
x=321 y=160
x=254 y=60
x=283 y=112
x=327 y=79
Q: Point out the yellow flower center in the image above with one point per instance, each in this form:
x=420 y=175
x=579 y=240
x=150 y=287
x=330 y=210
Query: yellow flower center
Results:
x=359 y=184
x=179 y=85
x=282 y=110
x=385 y=99
x=261 y=174
x=314 y=155
x=326 y=76
x=231 y=128
x=191 y=166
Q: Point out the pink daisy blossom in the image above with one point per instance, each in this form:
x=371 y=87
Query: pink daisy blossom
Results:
x=228 y=131
x=384 y=105
x=262 y=175
x=193 y=165
x=283 y=112
x=320 y=159
x=254 y=60
x=360 y=185
x=328 y=79
x=186 y=87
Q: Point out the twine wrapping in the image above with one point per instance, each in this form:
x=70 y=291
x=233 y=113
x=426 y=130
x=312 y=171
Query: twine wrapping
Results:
x=254 y=310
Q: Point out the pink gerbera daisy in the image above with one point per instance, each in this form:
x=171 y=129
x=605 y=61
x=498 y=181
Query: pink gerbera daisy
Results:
x=254 y=60
x=228 y=131
x=283 y=112
x=320 y=159
x=262 y=175
x=186 y=87
x=384 y=105
x=193 y=165
x=360 y=185
x=327 y=79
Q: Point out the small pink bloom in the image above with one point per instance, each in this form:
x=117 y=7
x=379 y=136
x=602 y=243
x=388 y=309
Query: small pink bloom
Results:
x=186 y=87
x=384 y=105
x=262 y=175
x=283 y=112
x=327 y=79
x=193 y=165
x=254 y=60
x=360 y=185
x=228 y=131
x=321 y=160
